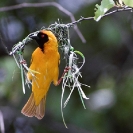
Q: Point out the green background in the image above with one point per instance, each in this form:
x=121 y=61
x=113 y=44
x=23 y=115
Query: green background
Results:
x=108 y=70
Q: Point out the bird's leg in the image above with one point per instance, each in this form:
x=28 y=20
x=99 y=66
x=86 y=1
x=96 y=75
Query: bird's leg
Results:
x=23 y=62
x=65 y=71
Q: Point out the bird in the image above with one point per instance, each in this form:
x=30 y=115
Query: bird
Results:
x=45 y=61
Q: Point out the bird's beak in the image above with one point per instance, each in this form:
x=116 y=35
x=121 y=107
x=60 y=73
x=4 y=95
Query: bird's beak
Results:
x=34 y=36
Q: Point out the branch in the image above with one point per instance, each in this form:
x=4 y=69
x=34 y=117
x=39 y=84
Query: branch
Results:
x=58 y=6
x=36 y=5
x=125 y=8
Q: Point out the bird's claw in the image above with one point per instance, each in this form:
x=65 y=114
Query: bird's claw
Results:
x=65 y=71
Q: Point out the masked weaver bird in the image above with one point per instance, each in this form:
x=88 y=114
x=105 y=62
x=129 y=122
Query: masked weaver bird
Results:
x=45 y=61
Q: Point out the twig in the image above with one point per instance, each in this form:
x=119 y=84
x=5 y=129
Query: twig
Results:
x=36 y=5
x=125 y=8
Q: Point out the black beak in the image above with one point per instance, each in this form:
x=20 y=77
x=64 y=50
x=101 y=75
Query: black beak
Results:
x=34 y=36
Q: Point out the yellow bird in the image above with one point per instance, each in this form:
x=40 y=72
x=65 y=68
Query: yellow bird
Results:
x=45 y=61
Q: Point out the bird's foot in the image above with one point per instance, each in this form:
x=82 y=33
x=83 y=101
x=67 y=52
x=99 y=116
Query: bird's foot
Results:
x=65 y=71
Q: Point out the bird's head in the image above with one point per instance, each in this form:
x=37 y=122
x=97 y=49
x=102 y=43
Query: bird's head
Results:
x=43 y=37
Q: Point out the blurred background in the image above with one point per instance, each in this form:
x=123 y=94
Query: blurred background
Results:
x=108 y=70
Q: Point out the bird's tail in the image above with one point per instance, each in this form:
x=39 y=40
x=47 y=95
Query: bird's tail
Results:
x=30 y=109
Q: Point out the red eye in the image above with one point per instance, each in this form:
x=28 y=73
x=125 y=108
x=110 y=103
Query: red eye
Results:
x=42 y=36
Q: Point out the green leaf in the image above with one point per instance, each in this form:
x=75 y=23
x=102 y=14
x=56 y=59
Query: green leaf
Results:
x=103 y=8
x=128 y=2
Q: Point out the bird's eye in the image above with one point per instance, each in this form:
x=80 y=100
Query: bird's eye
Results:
x=42 y=36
